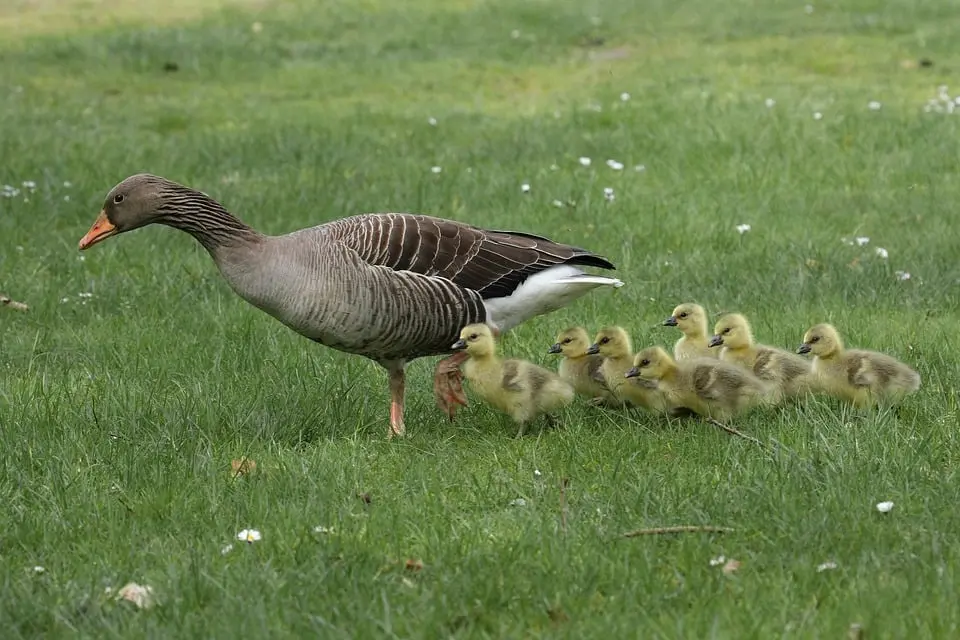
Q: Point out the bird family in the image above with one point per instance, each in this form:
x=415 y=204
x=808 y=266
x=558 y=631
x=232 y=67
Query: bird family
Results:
x=715 y=376
x=394 y=287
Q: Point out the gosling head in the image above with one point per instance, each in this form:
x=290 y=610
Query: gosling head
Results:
x=477 y=340
x=652 y=363
x=611 y=342
x=690 y=318
x=732 y=331
x=571 y=343
x=821 y=340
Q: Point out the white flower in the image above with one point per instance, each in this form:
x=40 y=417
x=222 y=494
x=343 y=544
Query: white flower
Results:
x=432 y=121
x=640 y=168
x=515 y=34
x=716 y=562
x=884 y=507
x=616 y=166
x=880 y=251
x=256 y=27
x=64 y=300
x=85 y=295
x=554 y=167
x=519 y=502
x=862 y=240
x=66 y=198
x=873 y=105
x=322 y=529
x=525 y=188
x=140 y=595
x=249 y=535
x=558 y=204
x=808 y=8
x=536 y=473
x=829 y=565
x=902 y=275
x=608 y=194
x=67 y=184
x=436 y=169
x=624 y=96
x=743 y=228
x=227 y=549
x=817 y=115
x=38 y=570
x=29 y=184
x=770 y=102
x=585 y=161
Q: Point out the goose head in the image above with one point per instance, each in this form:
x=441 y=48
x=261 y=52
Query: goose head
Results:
x=135 y=202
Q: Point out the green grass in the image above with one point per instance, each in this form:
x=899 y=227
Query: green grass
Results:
x=120 y=413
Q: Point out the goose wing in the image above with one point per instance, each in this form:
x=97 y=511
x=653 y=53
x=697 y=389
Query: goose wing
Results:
x=492 y=263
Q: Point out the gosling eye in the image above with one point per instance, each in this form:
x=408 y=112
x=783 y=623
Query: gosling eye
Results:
x=473 y=336
x=726 y=331
x=567 y=341
x=117 y=199
x=814 y=339
x=683 y=315
x=644 y=363
x=604 y=340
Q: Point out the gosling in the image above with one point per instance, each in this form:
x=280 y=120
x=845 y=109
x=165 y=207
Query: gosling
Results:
x=691 y=319
x=789 y=373
x=708 y=387
x=862 y=378
x=518 y=388
x=580 y=369
x=614 y=345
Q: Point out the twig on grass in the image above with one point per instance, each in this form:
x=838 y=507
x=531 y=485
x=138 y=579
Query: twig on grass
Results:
x=733 y=431
x=686 y=528
x=13 y=304
x=563 y=503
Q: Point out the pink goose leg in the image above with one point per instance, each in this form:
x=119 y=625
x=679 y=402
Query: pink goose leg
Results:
x=397 y=385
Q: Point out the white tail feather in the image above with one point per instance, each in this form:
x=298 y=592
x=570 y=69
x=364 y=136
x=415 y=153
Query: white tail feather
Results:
x=542 y=293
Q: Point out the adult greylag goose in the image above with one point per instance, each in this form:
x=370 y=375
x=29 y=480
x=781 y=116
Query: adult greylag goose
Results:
x=388 y=286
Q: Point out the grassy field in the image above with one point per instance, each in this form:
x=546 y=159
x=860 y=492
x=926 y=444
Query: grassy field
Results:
x=138 y=376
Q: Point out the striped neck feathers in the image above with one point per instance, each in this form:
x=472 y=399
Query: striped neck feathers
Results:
x=203 y=218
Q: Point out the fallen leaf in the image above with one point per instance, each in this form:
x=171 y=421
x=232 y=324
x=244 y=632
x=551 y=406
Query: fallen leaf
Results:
x=140 y=595
x=365 y=497
x=730 y=567
x=242 y=466
x=557 y=614
x=413 y=564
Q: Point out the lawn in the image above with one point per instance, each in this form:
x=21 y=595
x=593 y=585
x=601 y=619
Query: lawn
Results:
x=137 y=376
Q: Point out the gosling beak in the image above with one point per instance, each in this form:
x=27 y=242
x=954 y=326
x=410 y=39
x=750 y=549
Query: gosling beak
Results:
x=670 y=322
x=554 y=348
x=633 y=373
x=593 y=349
x=459 y=345
x=101 y=230
x=715 y=341
x=804 y=348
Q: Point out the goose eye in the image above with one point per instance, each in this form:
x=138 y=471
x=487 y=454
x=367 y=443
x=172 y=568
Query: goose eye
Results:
x=814 y=339
x=644 y=363
x=567 y=341
x=117 y=199
x=726 y=331
x=473 y=336
x=683 y=315
x=604 y=340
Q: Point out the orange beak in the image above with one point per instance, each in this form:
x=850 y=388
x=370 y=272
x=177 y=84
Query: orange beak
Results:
x=101 y=230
